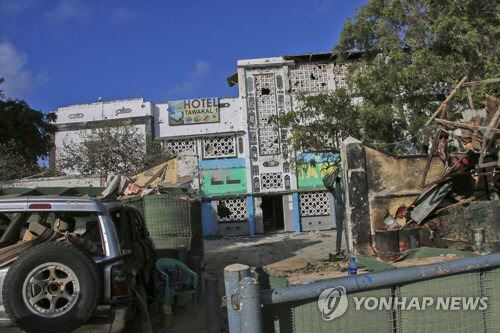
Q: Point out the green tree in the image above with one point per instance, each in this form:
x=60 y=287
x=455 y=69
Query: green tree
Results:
x=321 y=122
x=25 y=137
x=409 y=54
x=109 y=148
x=13 y=164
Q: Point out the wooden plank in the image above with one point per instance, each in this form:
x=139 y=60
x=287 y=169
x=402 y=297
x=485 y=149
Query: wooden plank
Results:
x=471 y=101
x=487 y=165
x=492 y=126
x=463 y=202
x=450 y=96
x=477 y=83
x=467 y=126
x=156 y=175
x=443 y=111
x=493 y=123
x=431 y=155
x=485 y=173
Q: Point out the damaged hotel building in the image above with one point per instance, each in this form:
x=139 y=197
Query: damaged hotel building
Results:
x=251 y=182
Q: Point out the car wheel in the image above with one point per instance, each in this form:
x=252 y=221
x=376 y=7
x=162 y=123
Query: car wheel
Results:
x=52 y=287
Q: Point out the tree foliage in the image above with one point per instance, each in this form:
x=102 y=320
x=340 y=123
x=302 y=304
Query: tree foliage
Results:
x=403 y=57
x=322 y=121
x=14 y=165
x=25 y=137
x=108 y=149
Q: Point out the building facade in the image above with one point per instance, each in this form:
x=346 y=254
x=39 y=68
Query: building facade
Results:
x=76 y=121
x=251 y=182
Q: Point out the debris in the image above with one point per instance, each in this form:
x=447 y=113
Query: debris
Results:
x=428 y=201
x=460 y=203
x=390 y=222
x=401 y=212
x=124 y=186
x=469 y=149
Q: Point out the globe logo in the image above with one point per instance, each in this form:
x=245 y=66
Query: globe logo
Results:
x=332 y=303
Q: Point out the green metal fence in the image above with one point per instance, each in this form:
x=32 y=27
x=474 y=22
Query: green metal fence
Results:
x=464 y=296
x=168 y=218
x=305 y=317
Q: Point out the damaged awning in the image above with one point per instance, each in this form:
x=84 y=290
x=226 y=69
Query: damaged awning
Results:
x=313 y=56
x=320 y=56
x=232 y=80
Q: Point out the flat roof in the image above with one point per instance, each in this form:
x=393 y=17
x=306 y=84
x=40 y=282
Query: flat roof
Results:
x=50 y=203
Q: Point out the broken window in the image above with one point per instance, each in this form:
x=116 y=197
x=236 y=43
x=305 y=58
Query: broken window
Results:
x=28 y=226
x=266 y=107
x=309 y=78
x=219 y=146
x=232 y=210
x=340 y=73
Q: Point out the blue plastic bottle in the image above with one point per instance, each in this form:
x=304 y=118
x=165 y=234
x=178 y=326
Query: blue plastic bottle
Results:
x=352 y=268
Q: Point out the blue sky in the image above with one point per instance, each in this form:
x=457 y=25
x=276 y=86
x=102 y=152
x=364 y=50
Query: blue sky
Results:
x=55 y=53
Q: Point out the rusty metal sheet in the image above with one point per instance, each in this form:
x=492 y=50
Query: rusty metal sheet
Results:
x=429 y=200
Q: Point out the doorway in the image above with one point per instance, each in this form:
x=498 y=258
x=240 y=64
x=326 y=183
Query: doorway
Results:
x=272 y=213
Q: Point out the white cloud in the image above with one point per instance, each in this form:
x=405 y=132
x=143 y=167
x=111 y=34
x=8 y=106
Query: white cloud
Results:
x=18 y=80
x=13 y=7
x=193 y=79
x=123 y=14
x=324 y=6
x=69 y=10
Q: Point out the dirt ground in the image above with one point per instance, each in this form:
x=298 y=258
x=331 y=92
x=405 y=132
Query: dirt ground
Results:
x=286 y=250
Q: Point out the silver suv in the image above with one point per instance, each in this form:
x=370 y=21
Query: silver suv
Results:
x=71 y=263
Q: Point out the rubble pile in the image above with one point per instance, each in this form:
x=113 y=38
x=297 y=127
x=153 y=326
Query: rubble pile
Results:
x=469 y=150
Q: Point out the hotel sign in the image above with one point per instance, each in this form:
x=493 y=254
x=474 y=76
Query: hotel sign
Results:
x=193 y=111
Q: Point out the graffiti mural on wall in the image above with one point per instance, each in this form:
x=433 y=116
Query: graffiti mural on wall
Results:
x=311 y=168
x=222 y=177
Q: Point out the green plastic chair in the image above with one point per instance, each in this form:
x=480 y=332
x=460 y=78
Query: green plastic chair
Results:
x=169 y=297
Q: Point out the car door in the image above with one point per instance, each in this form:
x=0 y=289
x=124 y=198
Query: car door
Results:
x=141 y=242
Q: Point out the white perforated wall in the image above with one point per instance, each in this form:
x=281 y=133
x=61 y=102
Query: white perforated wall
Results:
x=219 y=146
x=266 y=107
x=237 y=208
x=309 y=78
x=177 y=146
x=314 y=204
x=340 y=72
x=272 y=180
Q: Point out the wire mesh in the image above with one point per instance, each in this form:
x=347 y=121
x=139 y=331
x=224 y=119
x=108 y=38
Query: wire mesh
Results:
x=306 y=317
x=492 y=291
x=433 y=320
x=167 y=218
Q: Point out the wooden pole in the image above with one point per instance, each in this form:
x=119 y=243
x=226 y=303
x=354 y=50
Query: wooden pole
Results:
x=434 y=146
x=469 y=95
x=450 y=96
x=477 y=83
x=487 y=134
x=488 y=130
x=431 y=155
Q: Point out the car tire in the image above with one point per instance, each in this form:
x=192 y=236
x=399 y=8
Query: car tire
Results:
x=52 y=287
